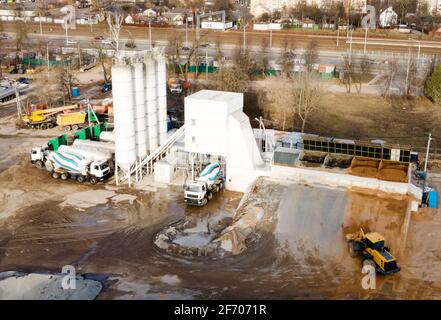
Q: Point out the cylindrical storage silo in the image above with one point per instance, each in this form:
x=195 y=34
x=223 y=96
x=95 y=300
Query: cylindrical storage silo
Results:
x=140 y=110
x=151 y=95
x=123 y=114
x=161 y=75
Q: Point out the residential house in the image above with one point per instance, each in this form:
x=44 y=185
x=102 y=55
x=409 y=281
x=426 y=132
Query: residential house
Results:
x=388 y=18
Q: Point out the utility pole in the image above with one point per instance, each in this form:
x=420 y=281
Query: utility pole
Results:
x=350 y=61
x=338 y=33
x=244 y=38
x=407 y=73
x=67 y=39
x=47 y=59
x=427 y=152
x=150 y=33
x=365 y=40
x=79 y=55
x=17 y=94
x=271 y=38
x=41 y=27
x=206 y=65
x=186 y=32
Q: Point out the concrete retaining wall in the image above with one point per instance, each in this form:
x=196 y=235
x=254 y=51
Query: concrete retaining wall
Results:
x=311 y=176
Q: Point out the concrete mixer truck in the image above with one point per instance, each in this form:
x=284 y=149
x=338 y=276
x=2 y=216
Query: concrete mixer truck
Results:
x=202 y=189
x=74 y=165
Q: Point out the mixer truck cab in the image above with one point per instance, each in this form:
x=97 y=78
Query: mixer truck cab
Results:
x=38 y=155
x=201 y=190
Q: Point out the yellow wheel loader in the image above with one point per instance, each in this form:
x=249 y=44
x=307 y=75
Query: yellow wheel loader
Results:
x=370 y=246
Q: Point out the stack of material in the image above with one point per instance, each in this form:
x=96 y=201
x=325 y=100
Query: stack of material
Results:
x=364 y=167
x=393 y=171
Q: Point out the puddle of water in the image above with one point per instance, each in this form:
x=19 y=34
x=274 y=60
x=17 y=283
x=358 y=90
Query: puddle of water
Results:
x=194 y=240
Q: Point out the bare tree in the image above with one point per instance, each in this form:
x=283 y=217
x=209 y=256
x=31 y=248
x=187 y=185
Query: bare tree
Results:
x=104 y=61
x=231 y=79
x=277 y=106
x=360 y=73
x=67 y=79
x=114 y=21
x=242 y=60
x=46 y=90
x=348 y=73
x=21 y=31
x=311 y=54
x=287 y=59
x=389 y=77
x=306 y=94
x=263 y=60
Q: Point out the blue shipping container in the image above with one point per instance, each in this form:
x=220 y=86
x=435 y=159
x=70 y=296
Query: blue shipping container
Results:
x=432 y=201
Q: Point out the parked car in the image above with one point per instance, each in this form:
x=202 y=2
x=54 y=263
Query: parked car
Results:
x=176 y=88
x=99 y=38
x=107 y=42
x=23 y=80
x=106 y=87
x=131 y=45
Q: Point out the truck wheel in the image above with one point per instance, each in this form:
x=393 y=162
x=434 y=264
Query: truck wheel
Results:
x=204 y=201
x=66 y=128
x=352 y=251
x=50 y=125
x=55 y=175
x=43 y=126
x=93 y=180
x=39 y=164
x=81 y=179
x=74 y=127
x=64 y=176
x=210 y=196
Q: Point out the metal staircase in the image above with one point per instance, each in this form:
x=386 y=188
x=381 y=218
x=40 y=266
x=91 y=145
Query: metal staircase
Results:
x=146 y=166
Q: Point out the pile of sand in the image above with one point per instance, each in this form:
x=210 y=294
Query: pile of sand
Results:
x=364 y=167
x=393 y=171
x=255 y=217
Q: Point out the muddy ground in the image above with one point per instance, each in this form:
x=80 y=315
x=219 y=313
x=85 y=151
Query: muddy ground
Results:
x=108 y=234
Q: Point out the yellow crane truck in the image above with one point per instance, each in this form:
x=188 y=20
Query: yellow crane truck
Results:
x=370 y=246
x=44 y=119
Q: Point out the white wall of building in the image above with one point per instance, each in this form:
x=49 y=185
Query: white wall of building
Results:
x=215 y=124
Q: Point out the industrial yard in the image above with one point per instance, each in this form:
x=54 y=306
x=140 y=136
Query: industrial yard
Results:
x=108 y=233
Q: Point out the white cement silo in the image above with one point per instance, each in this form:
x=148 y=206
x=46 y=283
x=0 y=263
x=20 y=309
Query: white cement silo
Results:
x=123 y=113
x=151 y=102
x=161 y=74
x=140 y=108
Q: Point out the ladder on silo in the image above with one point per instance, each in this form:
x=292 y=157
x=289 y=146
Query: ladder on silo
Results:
x=146 y=166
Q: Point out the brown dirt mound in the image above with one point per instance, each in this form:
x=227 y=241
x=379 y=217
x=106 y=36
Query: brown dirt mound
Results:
x=364 y=167
x=393 y=171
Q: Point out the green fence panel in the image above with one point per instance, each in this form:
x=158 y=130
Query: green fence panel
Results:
x=82 y=134
x=55 y=143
